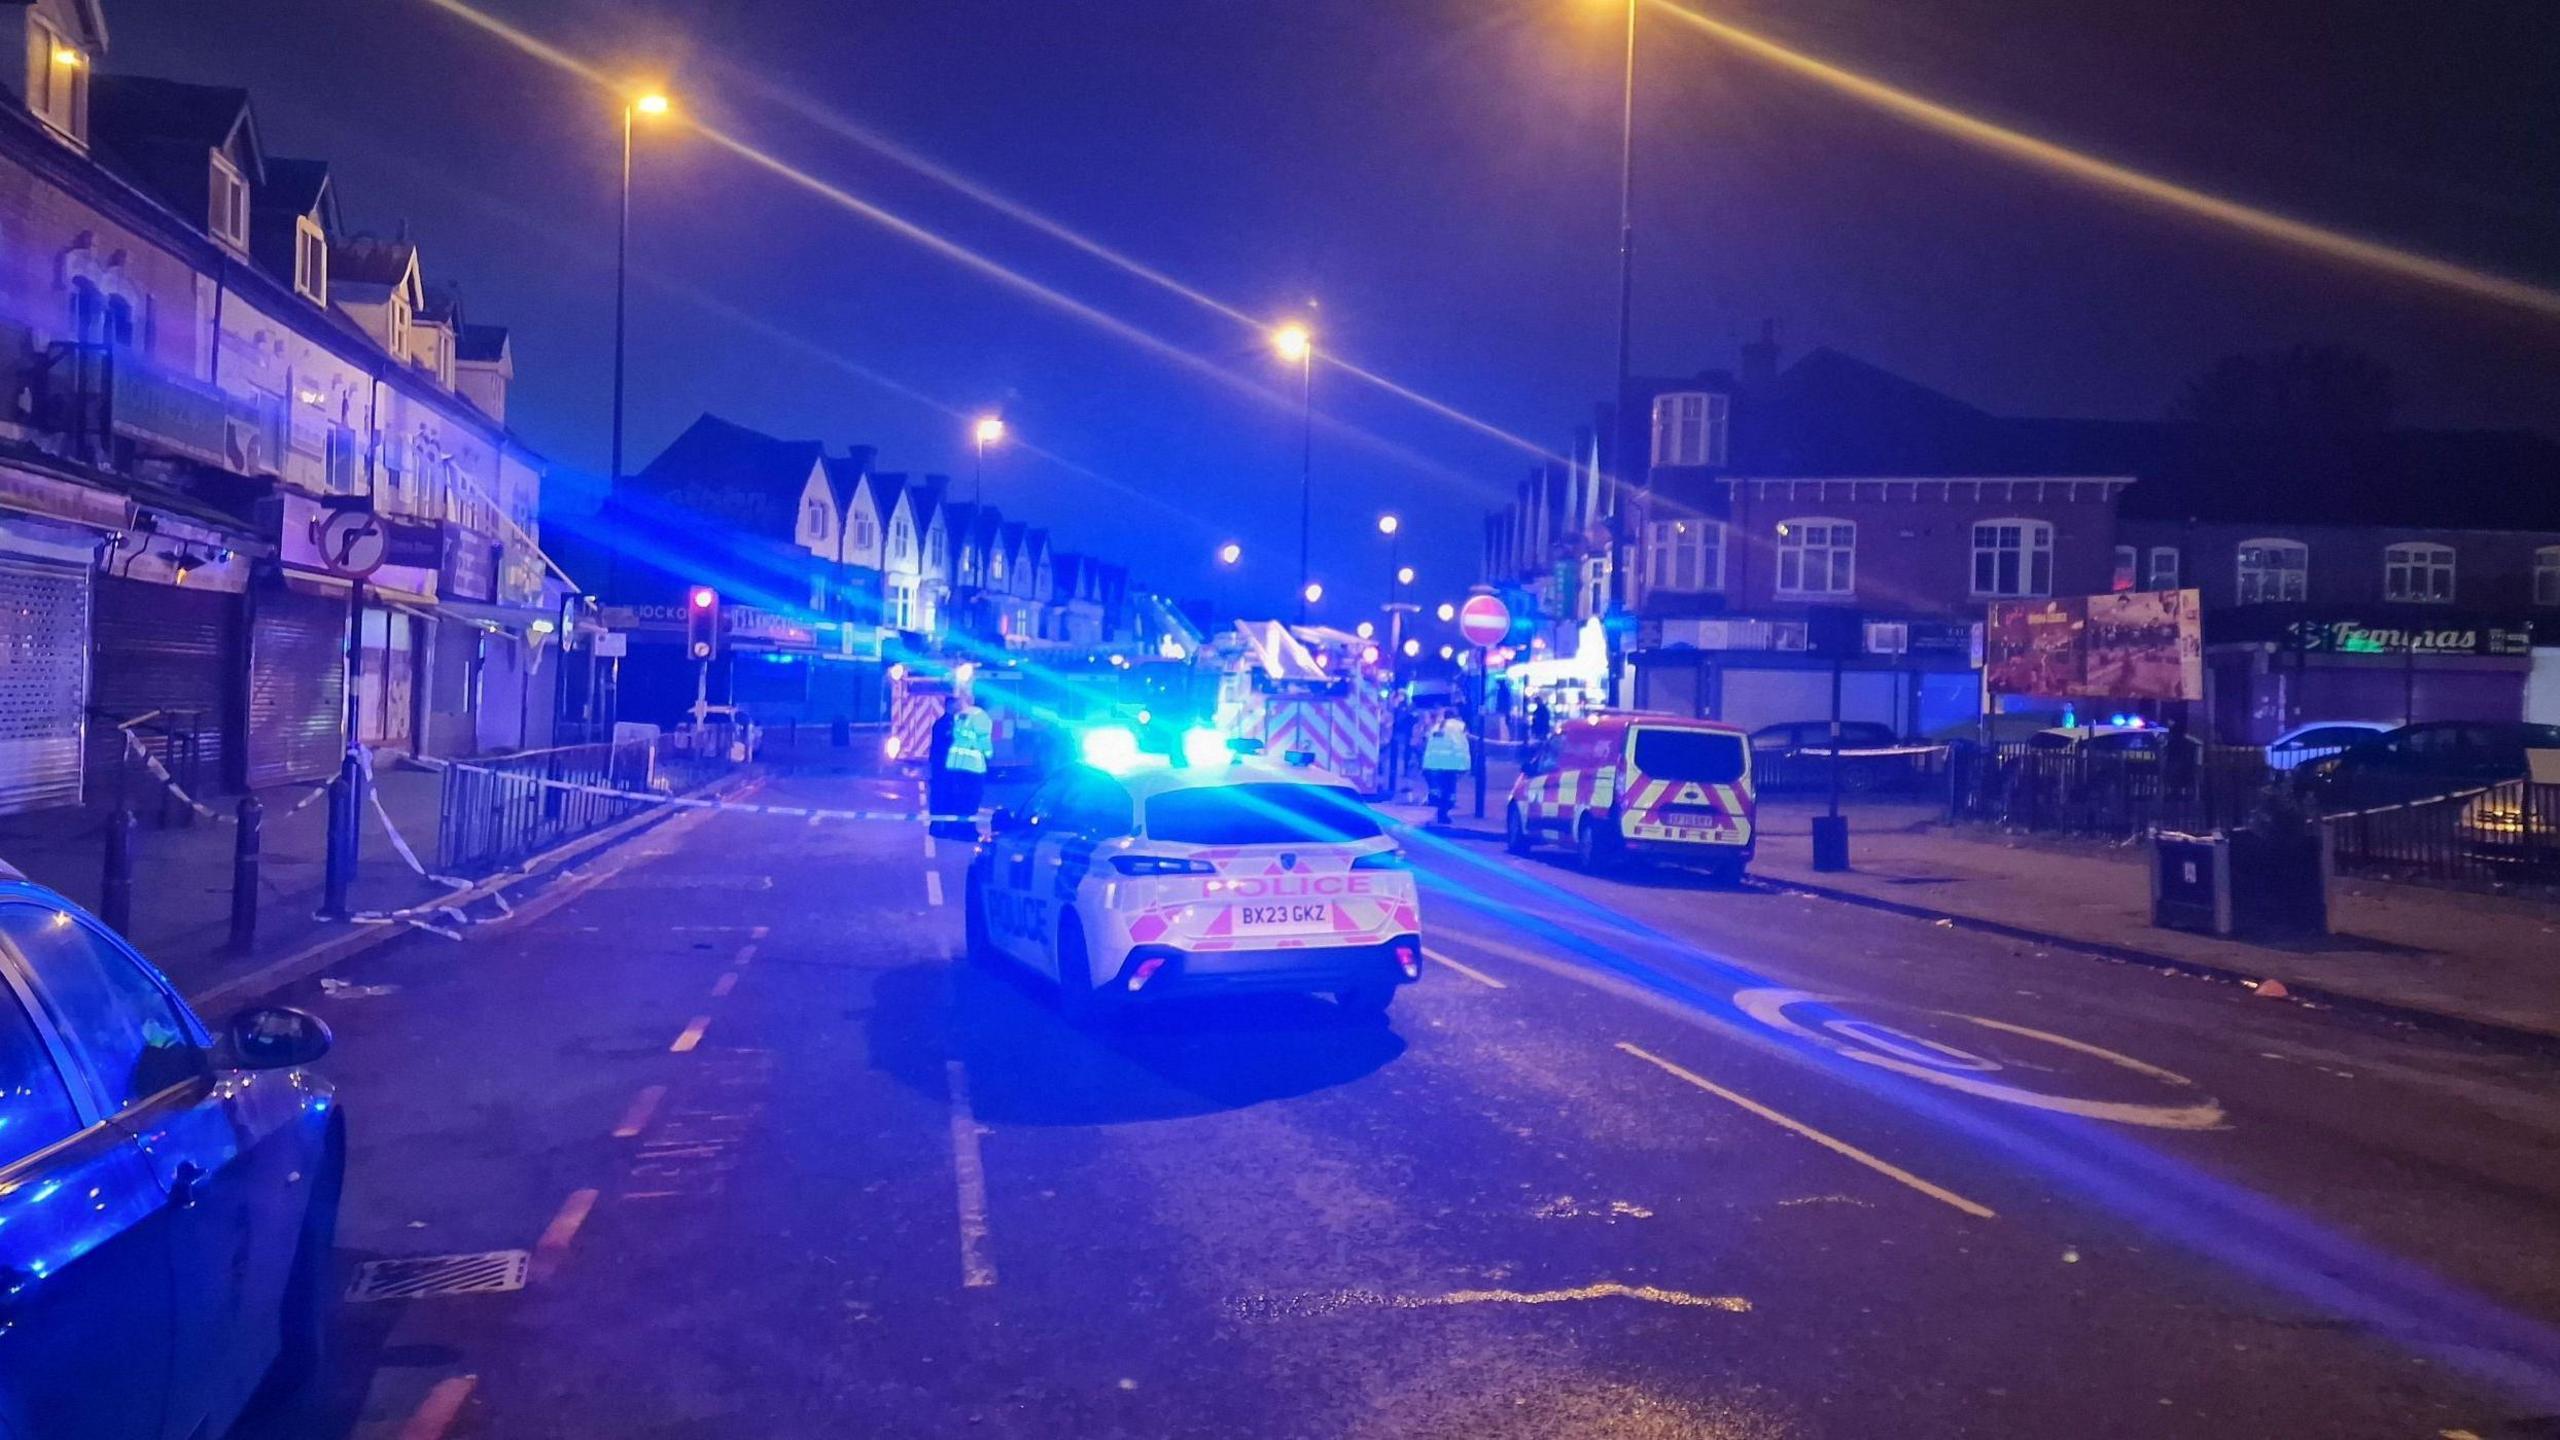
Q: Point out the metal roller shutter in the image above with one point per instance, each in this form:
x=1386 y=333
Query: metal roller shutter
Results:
x=296 y=717
x=44 y=680
x=169 y=649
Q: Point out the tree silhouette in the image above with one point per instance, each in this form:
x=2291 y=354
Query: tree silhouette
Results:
x=2308 y=389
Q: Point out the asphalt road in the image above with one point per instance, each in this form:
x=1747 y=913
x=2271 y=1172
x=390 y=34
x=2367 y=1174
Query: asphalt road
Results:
x=1638 y=1158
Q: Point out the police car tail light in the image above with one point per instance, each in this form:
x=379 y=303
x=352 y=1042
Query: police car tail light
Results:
x=1383 y=860
x=1408 y=960
x=1160 y=865
x=1145 y=972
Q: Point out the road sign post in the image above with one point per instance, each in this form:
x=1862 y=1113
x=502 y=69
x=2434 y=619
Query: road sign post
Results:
x=353 y=544
x=1484 y=621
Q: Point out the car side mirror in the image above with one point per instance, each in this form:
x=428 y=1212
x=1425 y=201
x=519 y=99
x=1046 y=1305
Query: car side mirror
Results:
x=1003 y=821
x=278 y=1037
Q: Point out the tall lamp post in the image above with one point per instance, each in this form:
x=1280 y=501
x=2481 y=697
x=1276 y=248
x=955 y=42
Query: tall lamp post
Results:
x=645 y=102
x=1619 y=567
x=1297 y=344
x=988 y=430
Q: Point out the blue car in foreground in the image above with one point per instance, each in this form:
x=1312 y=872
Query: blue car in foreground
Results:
x=168 y=1195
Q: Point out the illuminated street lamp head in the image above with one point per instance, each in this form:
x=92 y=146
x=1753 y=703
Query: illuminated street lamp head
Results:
x=1294 y=342
x=1448 y=611
x=1314 y=591
x=1388 y=524
x=651 y=102
x=1412 y=648
x=1367 y=629
x=1404 y=575
x=988 y=430
x=1448 y=650
x=1230 y=553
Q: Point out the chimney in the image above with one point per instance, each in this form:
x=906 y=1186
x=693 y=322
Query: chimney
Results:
x=1760 y=357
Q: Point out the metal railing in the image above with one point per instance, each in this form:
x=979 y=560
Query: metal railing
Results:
x=2500 y=835
x=2119 y=794
x=498 y=811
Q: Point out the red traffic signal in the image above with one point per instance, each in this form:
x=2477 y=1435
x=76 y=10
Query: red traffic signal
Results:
x=701 y=622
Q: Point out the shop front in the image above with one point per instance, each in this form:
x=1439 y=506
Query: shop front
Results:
x=2268 y=672
x=1921 y=676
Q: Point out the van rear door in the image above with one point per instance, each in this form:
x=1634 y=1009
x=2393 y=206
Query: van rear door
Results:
x=1688 y=784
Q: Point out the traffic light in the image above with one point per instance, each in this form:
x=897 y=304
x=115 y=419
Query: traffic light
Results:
x=701 y=622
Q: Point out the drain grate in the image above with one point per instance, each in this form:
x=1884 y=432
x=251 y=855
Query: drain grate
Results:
x=486 y=1273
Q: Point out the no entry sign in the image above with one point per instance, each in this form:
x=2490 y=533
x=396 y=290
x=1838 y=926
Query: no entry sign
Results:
x=1484 y=620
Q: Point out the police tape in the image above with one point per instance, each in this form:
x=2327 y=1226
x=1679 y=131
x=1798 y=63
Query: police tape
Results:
x=811 y=813
x=133 y=745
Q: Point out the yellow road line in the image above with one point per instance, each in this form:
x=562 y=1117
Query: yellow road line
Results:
x=436 y=1413
x=1441 y=957
x=692 y=1035
x=1838 y=1147
x=554 y=1244
x=721 y=987
x=643 y=1105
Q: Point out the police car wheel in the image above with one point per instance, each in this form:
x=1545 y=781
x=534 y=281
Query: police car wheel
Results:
x=1515 y=832
x=1076 y=998
x=1591 y=850
x=975 y=941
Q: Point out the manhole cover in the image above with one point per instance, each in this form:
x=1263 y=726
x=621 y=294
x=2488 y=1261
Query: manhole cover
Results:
x=486 y=1273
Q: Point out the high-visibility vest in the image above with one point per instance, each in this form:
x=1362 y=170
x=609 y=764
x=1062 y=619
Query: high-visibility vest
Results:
x=1446 y=749
x=972 y=741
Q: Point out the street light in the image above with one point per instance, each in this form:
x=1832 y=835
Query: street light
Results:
x=1230 y=553
x=988 y=431
x=1366 y=630
x=1404 y=575
x=1412 y=649
x=1389 y=524
x=1448 y=650
x=1626 y=318
x=1296 y=344
x=645 y=102
x=1313 y=593
x=1447 y=612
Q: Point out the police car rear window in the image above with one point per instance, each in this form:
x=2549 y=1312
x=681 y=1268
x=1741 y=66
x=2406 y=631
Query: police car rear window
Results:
x=1703 y=756
x=1260 y=814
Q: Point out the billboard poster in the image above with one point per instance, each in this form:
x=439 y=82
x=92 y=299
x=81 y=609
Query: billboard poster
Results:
x=2130 y=645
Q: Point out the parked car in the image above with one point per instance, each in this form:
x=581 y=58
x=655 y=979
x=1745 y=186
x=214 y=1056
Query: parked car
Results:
x=168 y=1195
x=2434 y=757
x=2103 y=768
x=2320 y=739
x=1796 y=755
x=2512 y=823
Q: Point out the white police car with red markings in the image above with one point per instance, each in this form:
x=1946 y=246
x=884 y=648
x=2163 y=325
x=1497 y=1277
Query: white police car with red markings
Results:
x=1146 y=878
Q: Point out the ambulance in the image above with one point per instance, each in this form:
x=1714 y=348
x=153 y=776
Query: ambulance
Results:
x=1621 y=784
x=1139 y=877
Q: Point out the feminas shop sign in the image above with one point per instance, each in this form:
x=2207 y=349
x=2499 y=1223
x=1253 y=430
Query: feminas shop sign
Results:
x=2354 y=637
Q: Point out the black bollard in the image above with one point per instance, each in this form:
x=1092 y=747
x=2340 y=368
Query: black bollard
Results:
x=346 y=826
x=115 y=891
x=244 y=874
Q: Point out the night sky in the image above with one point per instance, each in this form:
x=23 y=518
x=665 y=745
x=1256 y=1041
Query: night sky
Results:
x=1441 y=175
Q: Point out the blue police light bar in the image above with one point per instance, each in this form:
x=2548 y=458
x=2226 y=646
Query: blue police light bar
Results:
x=1204 y=747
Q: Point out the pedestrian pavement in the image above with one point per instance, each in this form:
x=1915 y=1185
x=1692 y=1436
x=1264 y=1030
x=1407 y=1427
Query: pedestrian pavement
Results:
x=2470 y=960
x=182 y=874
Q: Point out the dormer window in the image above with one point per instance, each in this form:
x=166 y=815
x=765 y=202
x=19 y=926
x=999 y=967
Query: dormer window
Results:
x=229 y=209
x=399 y=314
x=57 y=80
x=310 y=260
x=1689 y=427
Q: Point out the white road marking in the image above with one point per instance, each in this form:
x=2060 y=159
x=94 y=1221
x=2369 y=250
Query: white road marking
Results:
x=727 y=982
x=969 y=1170
x=1837 y=1146
x=1441 y=957
x=928 y=844
x=933 y=887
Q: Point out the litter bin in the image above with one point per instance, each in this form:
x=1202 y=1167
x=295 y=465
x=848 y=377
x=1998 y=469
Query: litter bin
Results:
x=2241 y=882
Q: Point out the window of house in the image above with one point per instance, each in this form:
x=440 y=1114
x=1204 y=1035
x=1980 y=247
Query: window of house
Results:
x=2163 y=574
x=399 y=325
x=1689 y=427
x=1817 y=556
x=2274 y=572
x=901 y=540
x=2418 y=572
x=2015 y=557
x=57 y=80
x=902 y=605
x=229 y=217
x=2126 y=564
x=2546 y=575
x=310 y=261
x=1684 y=555
x=818 y=519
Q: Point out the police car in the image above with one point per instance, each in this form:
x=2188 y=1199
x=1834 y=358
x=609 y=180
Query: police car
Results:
x=1151 y=877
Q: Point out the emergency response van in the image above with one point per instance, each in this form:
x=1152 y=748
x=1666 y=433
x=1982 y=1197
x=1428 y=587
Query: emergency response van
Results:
x=1620 y=783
